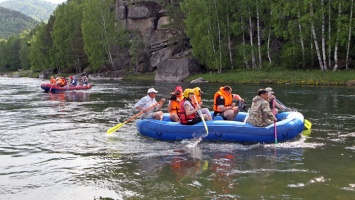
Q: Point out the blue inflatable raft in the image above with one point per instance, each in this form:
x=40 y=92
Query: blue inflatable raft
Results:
x=288 y=126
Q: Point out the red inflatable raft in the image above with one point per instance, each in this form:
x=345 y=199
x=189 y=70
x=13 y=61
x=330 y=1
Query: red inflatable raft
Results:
x=47 y=87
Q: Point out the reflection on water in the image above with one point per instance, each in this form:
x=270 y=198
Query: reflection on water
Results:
x=54 y=145
x=69 y=96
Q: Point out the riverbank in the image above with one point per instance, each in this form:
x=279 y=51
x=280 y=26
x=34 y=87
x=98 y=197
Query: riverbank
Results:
x=309 y=77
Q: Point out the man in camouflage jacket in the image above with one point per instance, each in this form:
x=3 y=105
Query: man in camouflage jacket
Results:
x=260 y=113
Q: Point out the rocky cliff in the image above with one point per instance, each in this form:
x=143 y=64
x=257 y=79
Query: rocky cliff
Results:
x=164 y=56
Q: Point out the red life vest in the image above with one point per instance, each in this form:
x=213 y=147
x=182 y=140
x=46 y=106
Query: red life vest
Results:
x=182 y=115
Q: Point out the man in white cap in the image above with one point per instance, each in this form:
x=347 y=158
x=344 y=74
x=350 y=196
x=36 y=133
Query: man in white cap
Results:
x=148 y=101
x=271 y=99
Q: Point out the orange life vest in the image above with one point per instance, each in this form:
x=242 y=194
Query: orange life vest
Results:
x=182 y=115
x=60 y=82
x=198 y=98
x=175 y=106
x=53 y=81
x=228 y=99
x=64 y=81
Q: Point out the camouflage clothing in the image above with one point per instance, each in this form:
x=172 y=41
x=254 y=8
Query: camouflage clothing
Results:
x=260 y=113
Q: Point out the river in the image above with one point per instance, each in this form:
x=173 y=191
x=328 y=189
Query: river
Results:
x=54 y=146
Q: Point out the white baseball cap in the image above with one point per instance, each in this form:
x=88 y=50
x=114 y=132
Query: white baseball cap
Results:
x=269 y=89
x=150 y=90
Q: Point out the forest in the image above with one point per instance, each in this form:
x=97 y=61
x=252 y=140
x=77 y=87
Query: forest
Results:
x=39 y=10
x=222 y=35
x=13 y=22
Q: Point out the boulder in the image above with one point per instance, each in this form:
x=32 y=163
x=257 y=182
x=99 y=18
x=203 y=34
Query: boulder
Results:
x=159 y=56
x=177 y=70
x=44 y=74
x=164 y=20
x=144 y=10
x=199 y=80
x=100 y=76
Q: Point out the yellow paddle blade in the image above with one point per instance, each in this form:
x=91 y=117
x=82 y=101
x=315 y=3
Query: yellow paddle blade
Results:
x=115 y=128
x=205 y=165
x=204 y=123
x=306 y=133
x=307 y=124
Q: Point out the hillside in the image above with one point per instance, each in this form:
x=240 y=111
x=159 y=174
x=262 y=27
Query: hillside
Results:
x=13 y=22
x=37 y=9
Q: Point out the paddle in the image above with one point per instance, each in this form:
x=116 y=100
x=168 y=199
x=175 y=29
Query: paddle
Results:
x=307 y=124
x=246 y=117
x=273 y=108
x=51 y=88
x=118 y=126
x=200 y=113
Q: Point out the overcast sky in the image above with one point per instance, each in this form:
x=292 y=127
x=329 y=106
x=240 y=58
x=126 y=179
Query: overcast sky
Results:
x=52 y=1
x=56 y=1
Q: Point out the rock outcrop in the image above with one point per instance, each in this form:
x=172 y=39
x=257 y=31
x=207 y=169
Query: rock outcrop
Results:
x=149 y=18
x=199 y=80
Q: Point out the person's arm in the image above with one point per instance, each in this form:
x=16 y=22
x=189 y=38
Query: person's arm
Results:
x=279 y=106
x=222 y=108
x=237 y=97
x=169 y=106
x=188 y=111
x=266 y=109
x=162 y=101
x=139 y=105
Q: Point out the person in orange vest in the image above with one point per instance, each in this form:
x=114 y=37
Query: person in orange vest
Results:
x=59 y=81
x=198 y=95
x=64 y=80
x=52 y=80
x=174 y=104
x=223 y=103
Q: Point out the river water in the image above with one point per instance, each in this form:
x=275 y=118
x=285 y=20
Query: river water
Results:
x=54 y=146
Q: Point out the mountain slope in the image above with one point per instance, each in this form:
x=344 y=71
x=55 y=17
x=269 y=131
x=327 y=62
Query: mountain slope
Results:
x=37 y=9
x=13 y=22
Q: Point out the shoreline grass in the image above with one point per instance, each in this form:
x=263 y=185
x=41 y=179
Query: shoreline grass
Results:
x=296 y=77
x=309 y=77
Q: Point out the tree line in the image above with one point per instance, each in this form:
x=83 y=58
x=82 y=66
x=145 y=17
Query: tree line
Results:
x=258 y=34
x=223 y=35
x=78 y=33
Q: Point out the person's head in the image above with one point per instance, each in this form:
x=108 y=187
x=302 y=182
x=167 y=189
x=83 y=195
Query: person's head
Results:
x=188 y=93
x=198 y=91
x=263 y=94
x=227 y=89
x=152 y=92
x=269 y=89
x=71 y=77
x=178 y=90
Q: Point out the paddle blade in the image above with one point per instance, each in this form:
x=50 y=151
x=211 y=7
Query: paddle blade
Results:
x=204 y=123
x=307 y=124
x=203 y=119
x=115 y=128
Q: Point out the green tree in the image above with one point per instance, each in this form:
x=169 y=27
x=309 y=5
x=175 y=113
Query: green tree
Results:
x=40 y=48
x=67 y=52
x=99 y=32
x=24 y=50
